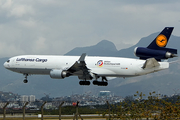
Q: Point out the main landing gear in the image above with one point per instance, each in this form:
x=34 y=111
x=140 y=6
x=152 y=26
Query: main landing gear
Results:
x=95 y=82
x=25 y=80
x=101 y=83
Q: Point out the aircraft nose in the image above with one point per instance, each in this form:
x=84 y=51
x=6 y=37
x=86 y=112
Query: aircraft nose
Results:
x=6 y=65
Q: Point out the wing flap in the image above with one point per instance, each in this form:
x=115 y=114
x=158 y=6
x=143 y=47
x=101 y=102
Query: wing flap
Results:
x=150 y=63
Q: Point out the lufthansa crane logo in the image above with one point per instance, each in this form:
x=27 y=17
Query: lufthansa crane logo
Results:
x=161 y=40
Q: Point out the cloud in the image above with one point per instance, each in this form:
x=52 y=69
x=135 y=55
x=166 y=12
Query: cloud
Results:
x=15 y=8
x=56 y=27
x=39 y=45
x=21 y=10
x=30 y=23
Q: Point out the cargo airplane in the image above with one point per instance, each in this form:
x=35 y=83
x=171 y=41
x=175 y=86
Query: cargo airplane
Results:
x=88 y=68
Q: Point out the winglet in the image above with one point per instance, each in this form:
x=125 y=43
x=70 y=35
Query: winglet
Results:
x=82 y=57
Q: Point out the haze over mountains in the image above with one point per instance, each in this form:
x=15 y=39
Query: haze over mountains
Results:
x=166 y=81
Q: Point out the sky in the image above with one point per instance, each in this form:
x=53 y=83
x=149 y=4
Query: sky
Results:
x=57 y=26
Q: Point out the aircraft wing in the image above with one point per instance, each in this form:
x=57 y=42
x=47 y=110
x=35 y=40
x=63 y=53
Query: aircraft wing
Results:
x=80 y=68
x=150 y=63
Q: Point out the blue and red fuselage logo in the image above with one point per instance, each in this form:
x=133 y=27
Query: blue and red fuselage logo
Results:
x=100 y=63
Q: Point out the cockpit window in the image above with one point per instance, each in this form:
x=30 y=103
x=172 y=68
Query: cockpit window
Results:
x=8 y=61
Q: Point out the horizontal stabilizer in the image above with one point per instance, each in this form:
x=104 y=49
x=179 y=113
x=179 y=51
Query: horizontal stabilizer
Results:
x=150 y=63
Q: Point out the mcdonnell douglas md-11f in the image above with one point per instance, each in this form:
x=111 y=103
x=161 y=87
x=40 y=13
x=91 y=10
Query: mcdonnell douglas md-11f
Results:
x=93 y=67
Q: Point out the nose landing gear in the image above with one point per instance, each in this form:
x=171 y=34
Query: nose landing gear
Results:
x=25 y=80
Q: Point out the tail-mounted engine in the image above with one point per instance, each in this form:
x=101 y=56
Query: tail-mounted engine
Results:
x=162 y=53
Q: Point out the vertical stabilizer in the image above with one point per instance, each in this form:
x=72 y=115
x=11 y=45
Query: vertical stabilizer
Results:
x=162 y=39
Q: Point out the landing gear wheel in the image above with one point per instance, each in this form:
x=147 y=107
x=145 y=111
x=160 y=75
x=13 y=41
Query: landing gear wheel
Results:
x=84 y=83
x=95 y=82
x=25 y=81
x=102 y=84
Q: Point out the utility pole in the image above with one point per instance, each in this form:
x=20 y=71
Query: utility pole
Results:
x=175 y=91
x=77 y=113
x=60 y=110
x=42 y=112
x=4 y=111
x=24 y=107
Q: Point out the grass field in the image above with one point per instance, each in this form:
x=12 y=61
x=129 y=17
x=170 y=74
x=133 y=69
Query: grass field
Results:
x=52 y=118
x=55 y=118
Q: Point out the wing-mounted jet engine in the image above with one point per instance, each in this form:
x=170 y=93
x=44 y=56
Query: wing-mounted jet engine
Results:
x=59 y=74
x=157 y=48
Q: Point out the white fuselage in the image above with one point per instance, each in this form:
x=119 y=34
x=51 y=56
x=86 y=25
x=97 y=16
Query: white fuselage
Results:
x=102 y=66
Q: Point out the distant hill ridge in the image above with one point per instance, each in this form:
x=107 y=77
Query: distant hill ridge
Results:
x=107 y=48
x=103 y=48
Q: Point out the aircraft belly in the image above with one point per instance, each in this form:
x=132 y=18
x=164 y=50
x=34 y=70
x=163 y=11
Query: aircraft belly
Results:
x=31 y=70
x=114 y=72
x=162 y=66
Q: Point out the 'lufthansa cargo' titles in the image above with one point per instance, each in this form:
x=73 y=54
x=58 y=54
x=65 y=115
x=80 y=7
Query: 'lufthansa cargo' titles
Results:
x=32 y=60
